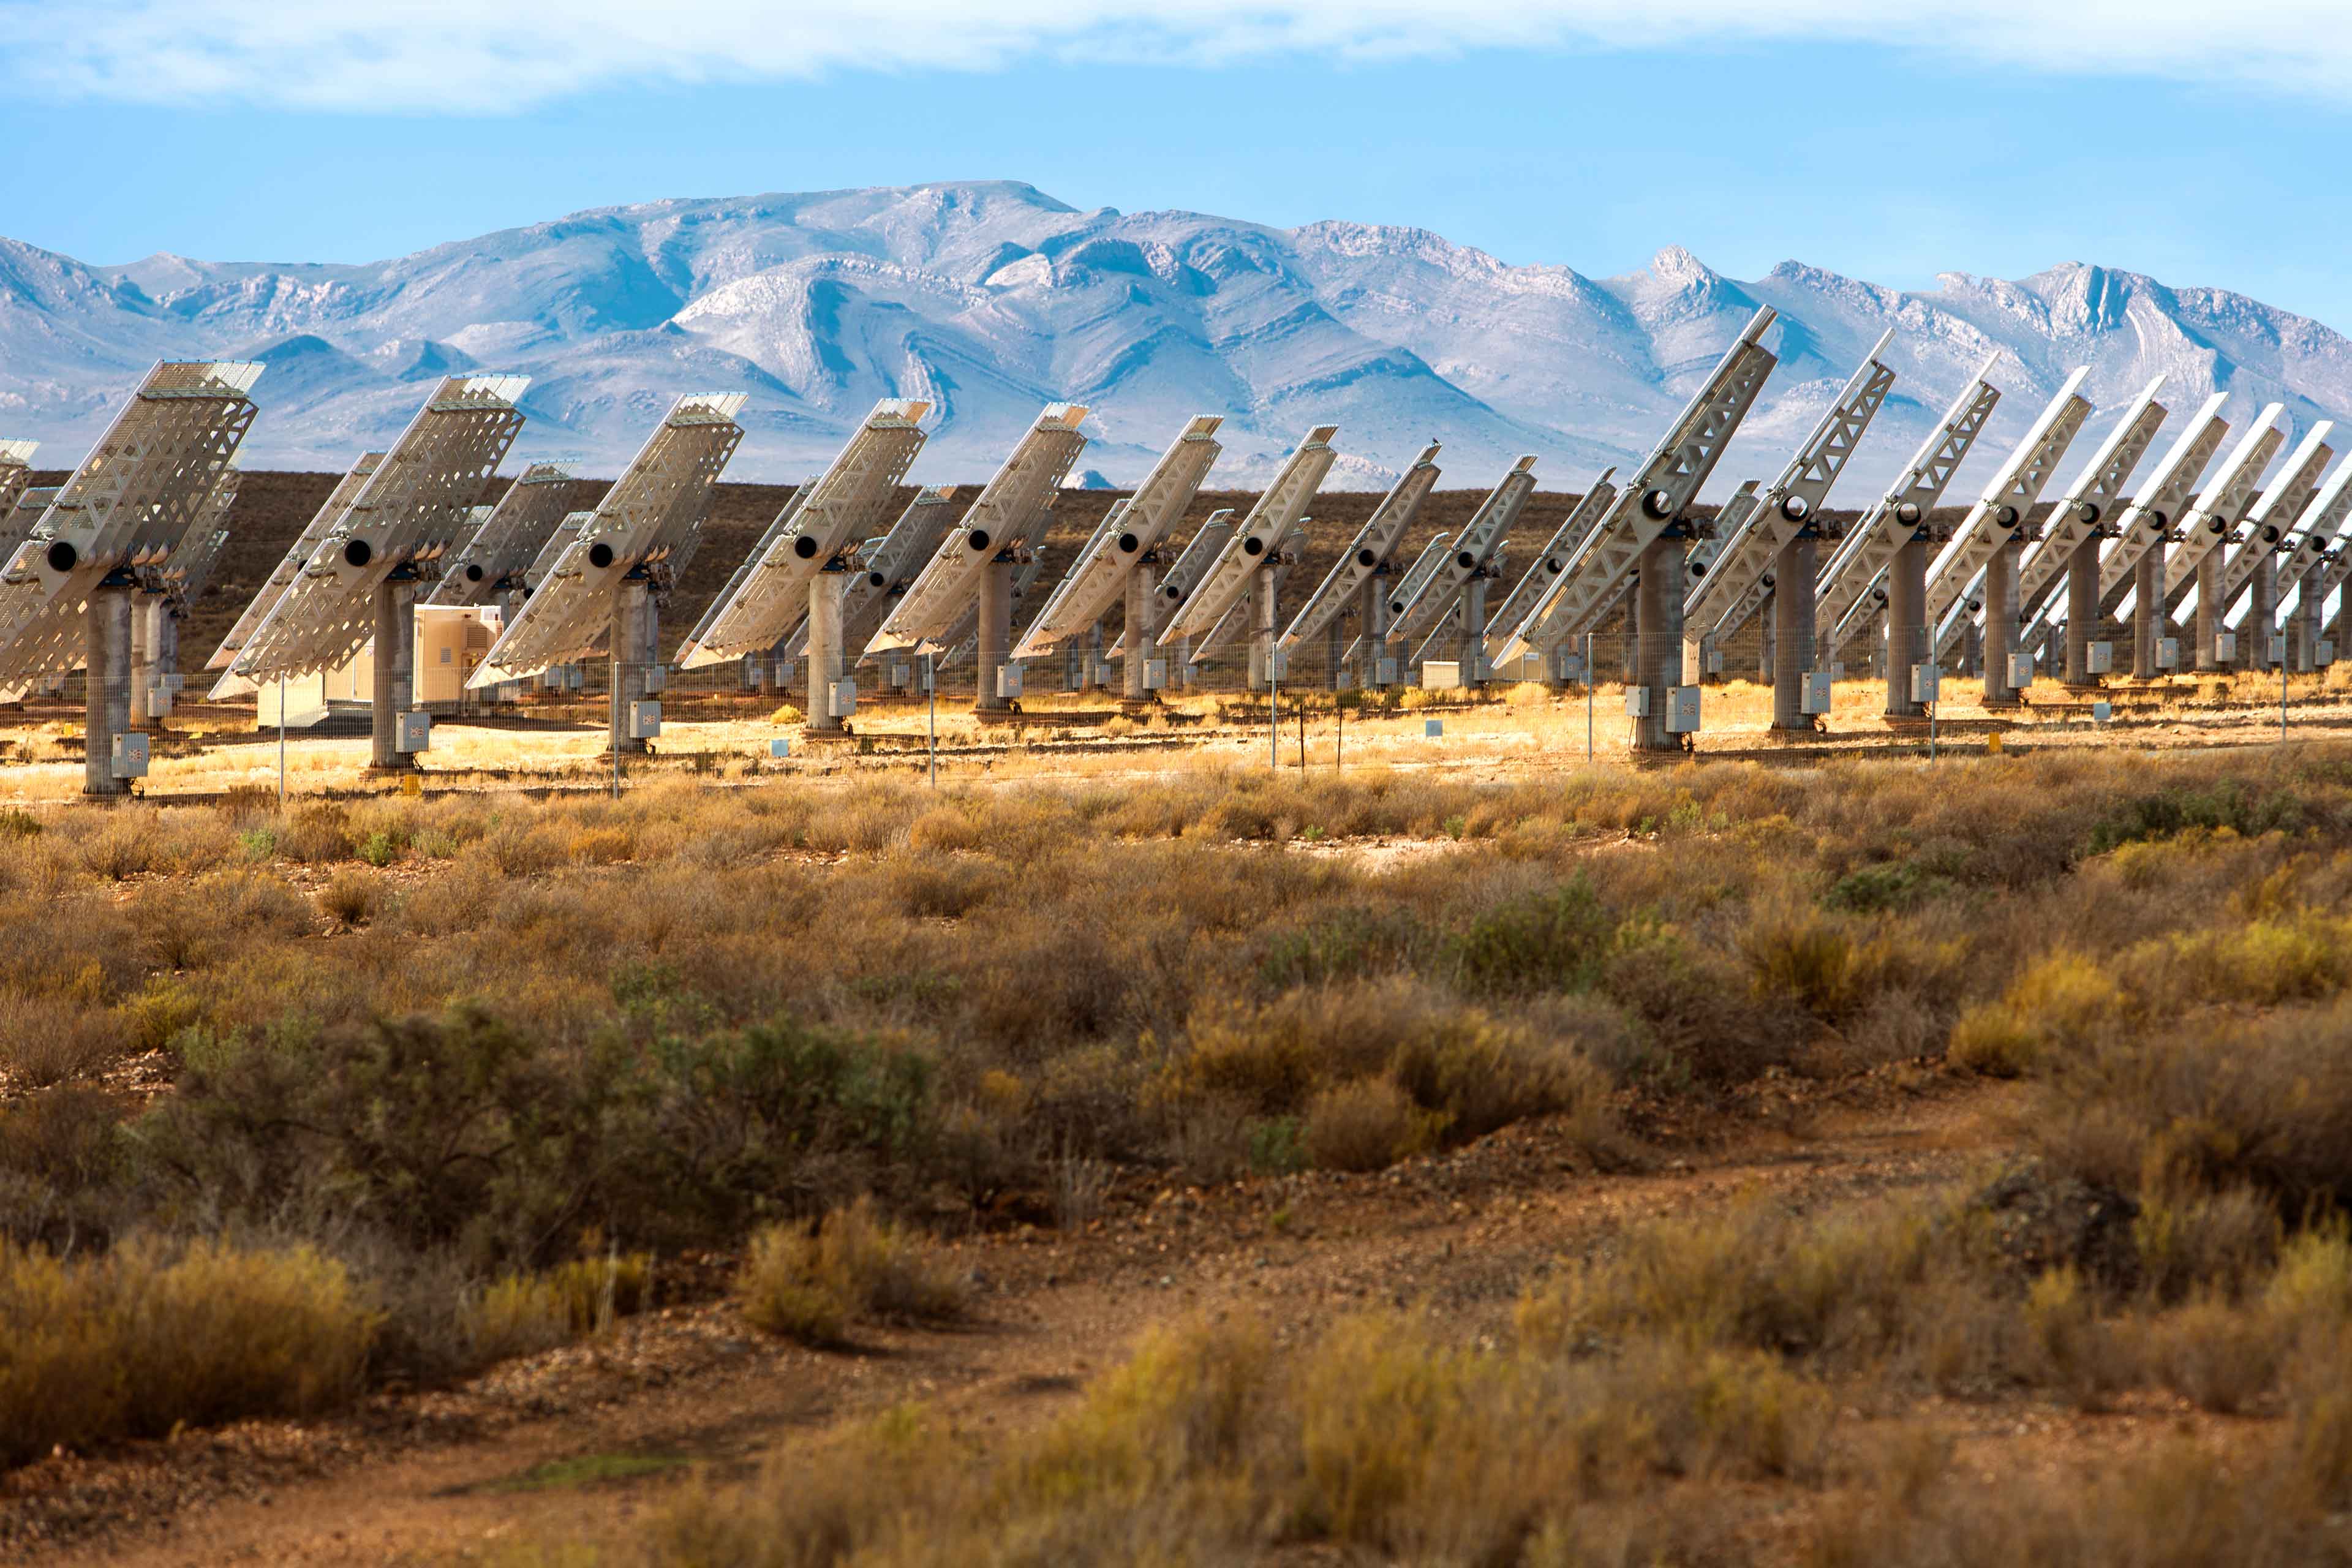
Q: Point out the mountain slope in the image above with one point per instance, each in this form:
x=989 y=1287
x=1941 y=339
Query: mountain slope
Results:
x=991 y=299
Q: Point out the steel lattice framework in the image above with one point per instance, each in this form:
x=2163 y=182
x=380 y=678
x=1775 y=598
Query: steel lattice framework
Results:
x=1588 y=510
x=1472 y=556
x=890 y=565
x=1277 y=511
x=415 y=506
x=282 y=575
x=1843 y=590
x=191 y=568
x=15 y=474
x=1193 y=563
x=2089 y=502
x=2283 y=500
x=1667 y=483
x=507 y=539
x=644 y=523
x=1367 y=552
x=2013 y=493
x=2224 y=501
x=1789 y=505
x=1004 y=524
x=126 y=511
x=768 y=595
x=2148 y=521
x=2316 y=529
x=1095 y=581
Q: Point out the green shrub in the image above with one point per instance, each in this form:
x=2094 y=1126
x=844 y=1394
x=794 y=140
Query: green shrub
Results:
x=1538 y=941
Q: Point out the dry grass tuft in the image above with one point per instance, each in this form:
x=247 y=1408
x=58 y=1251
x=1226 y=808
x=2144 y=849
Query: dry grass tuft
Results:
x=812 y=1284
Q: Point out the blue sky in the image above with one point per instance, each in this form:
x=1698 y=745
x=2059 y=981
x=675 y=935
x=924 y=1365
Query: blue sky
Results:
x=1590 y=132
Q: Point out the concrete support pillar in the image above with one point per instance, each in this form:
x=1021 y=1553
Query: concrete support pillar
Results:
x=1971 y=650
x=2306 y=622
x=2262 y=614
x=2209 y=612
x=1142 y=627
x=2082 y=612
x=1658 y=640
x=1261 y=629
x=628 y=642
x=1789 y=635
x=1473 y=632
x=145 y=610
x=106 y=652
x=1373 y=631
x=1631 y=656
x=2148 y=613
x=2001 y=623
x=1909 y=641
x=825 y=656
x=995 y=638
x=394 y=672
x=1767 y=615
x=1335 y=653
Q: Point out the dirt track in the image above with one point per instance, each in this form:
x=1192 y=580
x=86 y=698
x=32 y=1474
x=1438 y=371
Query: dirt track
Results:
x=585 y=1436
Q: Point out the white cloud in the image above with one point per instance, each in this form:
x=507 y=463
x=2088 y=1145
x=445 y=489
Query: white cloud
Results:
x=492 y=56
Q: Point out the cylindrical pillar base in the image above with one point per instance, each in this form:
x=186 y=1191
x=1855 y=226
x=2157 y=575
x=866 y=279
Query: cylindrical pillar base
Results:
x=2148 y=613
x=2000 y=624
x=1907 y=636
x=1658 y=641
x=825 y=656
x=630 y=636
x=1789 y=635
x=996 y=635
x=388 y=687
x=106 y=652
x=2082 y=612
x=1142 y=628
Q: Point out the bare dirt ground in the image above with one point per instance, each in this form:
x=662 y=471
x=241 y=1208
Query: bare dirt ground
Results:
x=582 y=1438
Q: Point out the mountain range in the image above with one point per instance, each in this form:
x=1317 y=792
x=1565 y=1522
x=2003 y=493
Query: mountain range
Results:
x=991 y=299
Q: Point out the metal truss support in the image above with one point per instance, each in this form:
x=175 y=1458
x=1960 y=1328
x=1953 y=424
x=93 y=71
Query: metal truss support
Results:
x=2261 y=615
x=630 y=645
x=994 y=637
x=2147 y=612
x=1142 y=637
x=824 y=652
x=2208 y=611
x=2081 y=610
x=1657 y=636
x=2000 y=624
x=107 y=686
x=395 y=651
x=1261 y=627
x=1909 y=639
x=1789 y=635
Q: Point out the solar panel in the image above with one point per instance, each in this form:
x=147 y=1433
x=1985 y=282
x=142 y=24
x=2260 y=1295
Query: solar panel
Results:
x=1193 y=563
x=1469 y=557
x=2283 y=500
x=2095 y=494
x=2157 y=507
x=1668 y=482
x=507 y=538
x=408 y=512
x=1367 y=555
x=1236 y=624
x=887 y=568
x=1095 y=581
x=2015 y=488
x=1004 y=523
x=1270 y=520
x=2223 y=500
x=1790 y=504
x=125 y=511
x=2316 y=529
x=768 y=594
x=1552 y=560
x=1846 y=589
x=638 y=530
x=15 y=474
x=282 y=577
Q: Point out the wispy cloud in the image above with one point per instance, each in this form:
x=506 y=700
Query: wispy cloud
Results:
x=492 y=56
